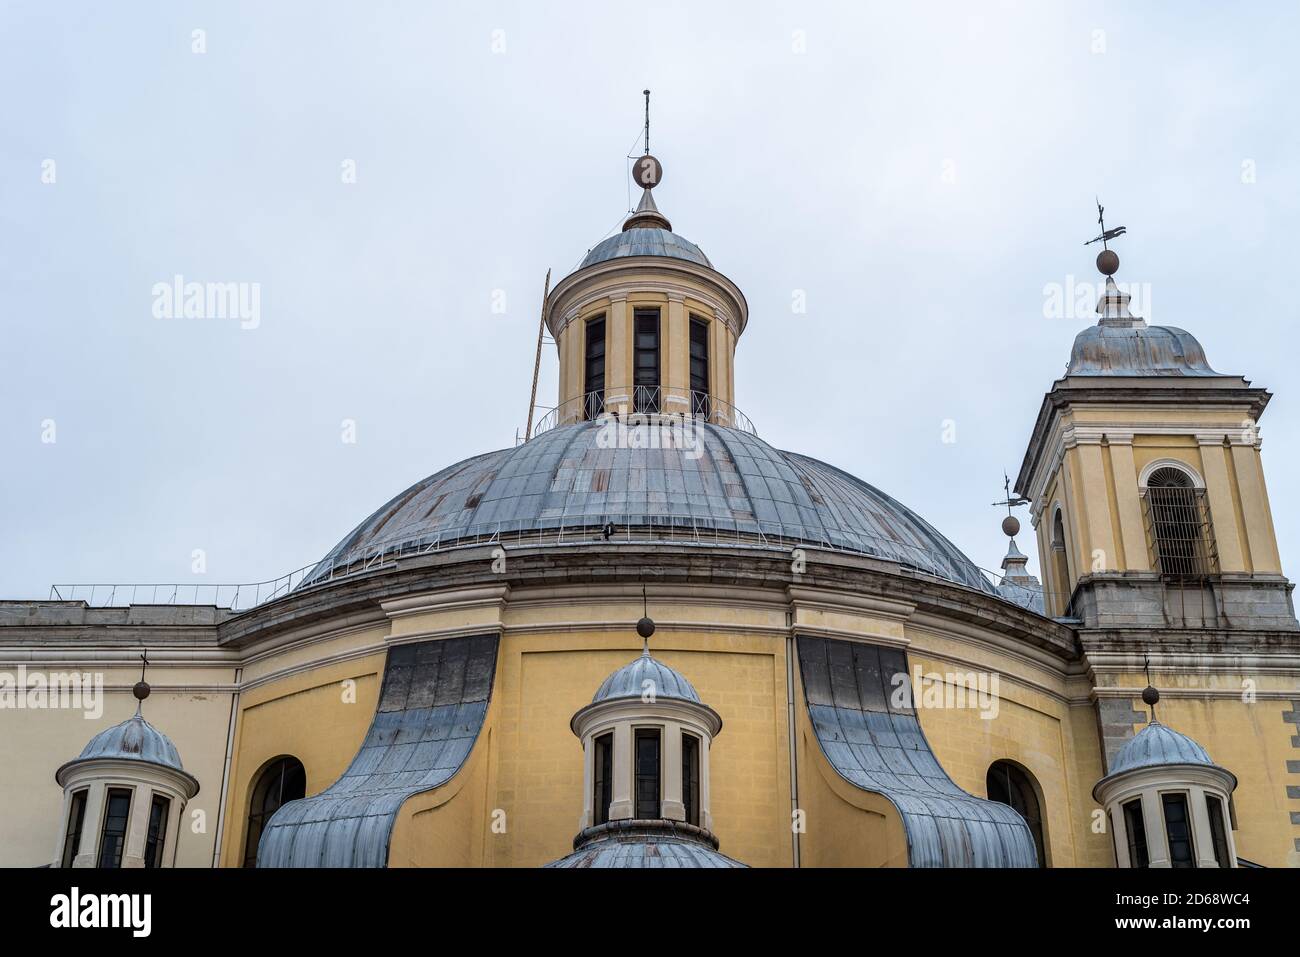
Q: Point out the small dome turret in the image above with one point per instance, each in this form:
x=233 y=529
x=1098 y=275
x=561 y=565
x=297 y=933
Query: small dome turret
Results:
x=630 y=681
x=135 y=739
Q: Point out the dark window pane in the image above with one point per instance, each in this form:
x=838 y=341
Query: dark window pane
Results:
x=691 y=778
x=647 y=773
x=76 y=818
x=1008 y=784
x=114 y=836
x=1218 y=831
x=594 y=371
x=1136 y=827
x=1179 y=830
x=645 y=361
x=153 y=847
x=699 y=367
x=603 y=778
x=282 y=781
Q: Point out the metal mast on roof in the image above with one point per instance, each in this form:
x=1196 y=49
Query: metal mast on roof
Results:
x=647 y=121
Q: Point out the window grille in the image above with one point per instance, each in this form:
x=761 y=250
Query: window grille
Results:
x=1179 y=532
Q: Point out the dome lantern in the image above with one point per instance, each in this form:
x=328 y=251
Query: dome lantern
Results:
x=123 y=796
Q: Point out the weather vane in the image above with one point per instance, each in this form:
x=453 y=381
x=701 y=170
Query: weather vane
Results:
x=1010 y=524
x=1107 y=260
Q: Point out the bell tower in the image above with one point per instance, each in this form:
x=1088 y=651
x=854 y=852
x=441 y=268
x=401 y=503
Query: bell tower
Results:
x=645 y=324
x=1144 y=478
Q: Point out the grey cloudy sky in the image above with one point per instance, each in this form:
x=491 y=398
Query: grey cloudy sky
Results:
x=921 y=170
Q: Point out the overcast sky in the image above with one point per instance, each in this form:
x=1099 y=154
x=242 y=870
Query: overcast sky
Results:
x=921 y=172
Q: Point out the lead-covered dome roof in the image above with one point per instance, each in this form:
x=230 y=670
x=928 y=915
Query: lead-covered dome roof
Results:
x=135 y=739
x=630 y=681
x=731 y=485
x=1158 y=744
x=645 y=241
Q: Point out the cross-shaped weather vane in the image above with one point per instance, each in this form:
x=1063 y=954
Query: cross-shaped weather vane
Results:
x=1010 y=524
x=1107 y=260
x=1106 y=234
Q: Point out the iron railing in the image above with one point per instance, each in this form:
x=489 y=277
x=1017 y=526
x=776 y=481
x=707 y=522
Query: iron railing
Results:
x=646 y=400
x=607 y=528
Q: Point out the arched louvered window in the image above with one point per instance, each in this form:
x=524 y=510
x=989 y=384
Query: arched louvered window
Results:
x=1008 y=783
x=1178 y=525
x=281 y=781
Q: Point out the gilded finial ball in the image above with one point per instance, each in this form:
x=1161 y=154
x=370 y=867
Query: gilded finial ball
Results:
x=1011 y=526
x=647 y=171
x=645 y=627
x=1150 y=695
x=1107 y=262
x=141 y=690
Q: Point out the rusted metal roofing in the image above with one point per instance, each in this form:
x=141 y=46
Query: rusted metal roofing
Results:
x=431 y=707
x=877 y=744
x=730 y=482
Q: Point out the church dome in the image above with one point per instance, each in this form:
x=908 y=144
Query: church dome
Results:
x=645 y=241
x=1138 y=351
x=1158 y=744
x=1122 y=344
x=133 y=740
x=629 y=681
x=637 y=844
x=730 y=487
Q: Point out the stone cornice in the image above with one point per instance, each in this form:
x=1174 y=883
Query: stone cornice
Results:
x=1042 y=456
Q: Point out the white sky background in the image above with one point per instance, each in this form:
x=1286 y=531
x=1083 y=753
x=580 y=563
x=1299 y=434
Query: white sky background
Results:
x=821 y=171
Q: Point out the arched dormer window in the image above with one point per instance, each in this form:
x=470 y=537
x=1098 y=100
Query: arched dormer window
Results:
x=1009 y=784
x=281 y=781
x=1179 y=533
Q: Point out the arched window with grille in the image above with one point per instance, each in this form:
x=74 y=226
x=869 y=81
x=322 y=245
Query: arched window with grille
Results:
x=281 y=781
x=1179 y=532
x=1008 y=783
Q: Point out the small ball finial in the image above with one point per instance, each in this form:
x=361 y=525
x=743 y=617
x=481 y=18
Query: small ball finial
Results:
x=1150 y=696
x=1011 y=526
x=647 y=171
x=141 y=690
x=645 y=627
x=1107 y=262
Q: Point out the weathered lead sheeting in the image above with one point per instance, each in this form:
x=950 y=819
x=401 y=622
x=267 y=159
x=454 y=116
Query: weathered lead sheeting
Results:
x=431 y=707
x=878 y=745
x=645 y=241
x=1138 y=350
x=654 y=852
x=733 y=483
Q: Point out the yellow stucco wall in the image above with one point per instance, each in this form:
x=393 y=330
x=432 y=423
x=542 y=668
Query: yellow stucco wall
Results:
x=191 y=705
